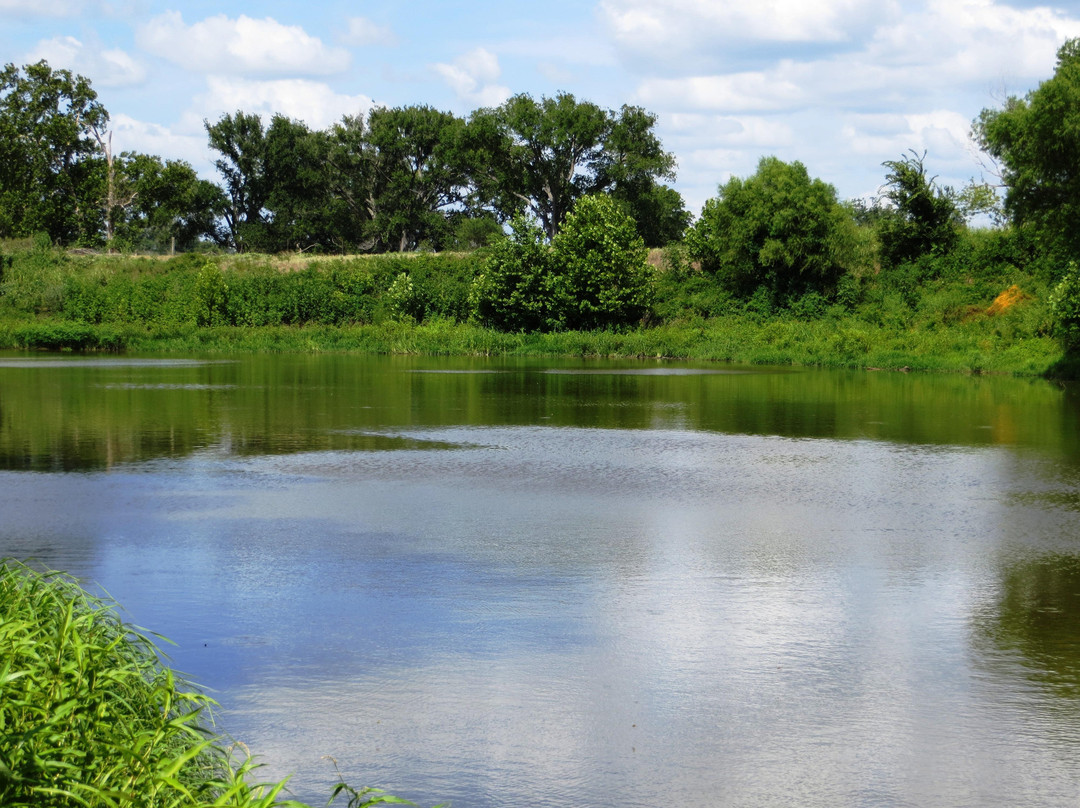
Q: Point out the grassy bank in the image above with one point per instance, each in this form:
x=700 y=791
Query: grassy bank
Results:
x=91 y=716
x=994 y=321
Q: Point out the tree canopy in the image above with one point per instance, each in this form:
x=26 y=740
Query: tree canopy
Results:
x=50 y=165
x=1036 y=139
x=778 y=229
x=923 y=217
x=540 y=157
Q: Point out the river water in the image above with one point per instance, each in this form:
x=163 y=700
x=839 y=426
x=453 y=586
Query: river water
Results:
x=542 y=583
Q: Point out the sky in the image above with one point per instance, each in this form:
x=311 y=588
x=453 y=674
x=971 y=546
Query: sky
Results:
x=840 y=85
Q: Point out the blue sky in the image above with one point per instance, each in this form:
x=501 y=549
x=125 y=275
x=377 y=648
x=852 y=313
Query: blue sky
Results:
x=839 y=84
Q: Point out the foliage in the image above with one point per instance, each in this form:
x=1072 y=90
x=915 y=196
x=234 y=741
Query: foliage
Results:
x=514 y=292
x=241 y=141
x=163 y=205
x=1037 y=141
x=778 y=231
x=1064 y=305
x=922 y=218
x=50 y=166
x=91 y=716
x=592 y=275
x=603 y=279
x=417 y=175
x=540 y=157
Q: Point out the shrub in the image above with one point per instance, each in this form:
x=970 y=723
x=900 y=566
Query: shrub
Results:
x=778 y=230
x=1065 y=309
x=514 y=291
x=592 y=275
x=604 y=280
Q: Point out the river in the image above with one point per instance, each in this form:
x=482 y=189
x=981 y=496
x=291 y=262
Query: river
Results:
x=547 y=582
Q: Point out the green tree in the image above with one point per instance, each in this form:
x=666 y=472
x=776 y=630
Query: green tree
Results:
x=922 y=219
x=299 y=203
x=241 y=141
x=417 y=175
x=778 y=230
x=540 y=157
x=514 y=292
x=50 y=162
x=605 y=280
x=1036 y=140
x=164 y=204
x=593 y=274
x=1065 y=309
x=352 y=205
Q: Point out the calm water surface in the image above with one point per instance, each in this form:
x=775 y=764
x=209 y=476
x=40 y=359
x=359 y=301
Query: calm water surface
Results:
x=551 y=583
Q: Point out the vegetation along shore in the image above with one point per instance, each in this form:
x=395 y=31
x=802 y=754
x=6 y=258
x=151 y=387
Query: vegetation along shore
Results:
x=535 y=228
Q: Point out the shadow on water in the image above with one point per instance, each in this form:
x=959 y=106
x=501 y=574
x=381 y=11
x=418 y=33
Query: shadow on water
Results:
x=90 y=414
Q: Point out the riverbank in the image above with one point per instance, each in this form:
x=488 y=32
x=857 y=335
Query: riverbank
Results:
x=845 y=342
x=995 y=321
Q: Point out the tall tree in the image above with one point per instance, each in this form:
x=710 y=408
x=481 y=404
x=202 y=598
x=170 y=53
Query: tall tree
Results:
x=163 y=205
x=1036 y=139
x=923 y=217
x=417 y=174
x=241 y=142
x=50 y=163
x=298 y=188
x=539 y=157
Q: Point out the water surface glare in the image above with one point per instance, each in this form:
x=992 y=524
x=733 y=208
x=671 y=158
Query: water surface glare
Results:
x=542 y=583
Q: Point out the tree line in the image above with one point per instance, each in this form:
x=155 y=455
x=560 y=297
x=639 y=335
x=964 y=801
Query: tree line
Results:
x=515 y=176
x=397 y=179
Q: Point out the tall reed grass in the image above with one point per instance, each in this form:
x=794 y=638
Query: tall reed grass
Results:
x=91 y=716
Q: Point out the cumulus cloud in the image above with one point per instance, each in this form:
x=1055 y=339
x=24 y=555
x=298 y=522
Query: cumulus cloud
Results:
x=44 y=8
x=733 y=93
x=105 y=67
x=850 y=77
x=130 y=134
x=943 y=133
x=362 y=32
x=473 y=77
x=243 y=46
x=652 y=23
x=312 y=102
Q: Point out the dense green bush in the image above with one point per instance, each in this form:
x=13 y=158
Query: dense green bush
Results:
x=604 y=280
x=923 y=218
x=1065 y=309
x=593 y=274
x=779 y=231
x=514 y=292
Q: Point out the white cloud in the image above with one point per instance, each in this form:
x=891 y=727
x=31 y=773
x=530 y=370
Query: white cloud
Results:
x=731 y=131
x=312 y=102
x=650 y=25
x=243 y=46
x=473 y=77
x=730 y=93
x=130 y=134
x=362 y=32
x=43 y=8
x=105 y=67
x=942 y=133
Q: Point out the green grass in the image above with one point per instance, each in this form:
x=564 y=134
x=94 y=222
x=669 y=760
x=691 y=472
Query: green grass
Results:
x=91 y=716
x=254 y=304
